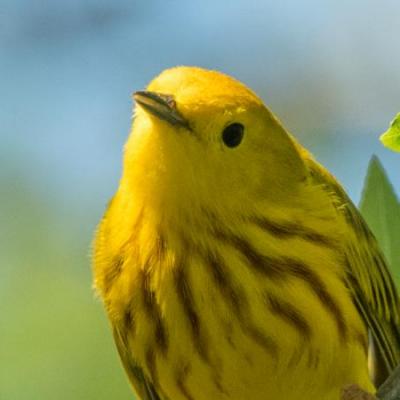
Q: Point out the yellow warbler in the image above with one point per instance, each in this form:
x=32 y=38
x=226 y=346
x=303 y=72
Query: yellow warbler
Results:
x=231 y=264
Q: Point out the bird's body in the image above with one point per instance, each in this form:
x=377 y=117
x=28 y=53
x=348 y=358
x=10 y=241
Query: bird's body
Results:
x=236 y=270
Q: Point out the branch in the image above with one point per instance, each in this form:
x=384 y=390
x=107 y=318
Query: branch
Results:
x=389 y=390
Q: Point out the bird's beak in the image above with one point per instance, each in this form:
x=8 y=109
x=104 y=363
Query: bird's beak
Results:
x=162 y=106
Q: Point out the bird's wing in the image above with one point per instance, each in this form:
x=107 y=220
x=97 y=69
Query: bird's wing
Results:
x=142 y=385
x=368 y=278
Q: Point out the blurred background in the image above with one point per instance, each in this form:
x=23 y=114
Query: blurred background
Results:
x=330 y=70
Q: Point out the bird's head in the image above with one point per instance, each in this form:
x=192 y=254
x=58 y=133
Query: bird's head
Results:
x=203 y=139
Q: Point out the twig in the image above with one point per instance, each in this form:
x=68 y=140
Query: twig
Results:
x=390 y=389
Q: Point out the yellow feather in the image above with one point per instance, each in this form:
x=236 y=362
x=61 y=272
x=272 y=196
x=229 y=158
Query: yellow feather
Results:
x=232 y=266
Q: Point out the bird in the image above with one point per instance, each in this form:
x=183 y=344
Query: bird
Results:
x=231 y=264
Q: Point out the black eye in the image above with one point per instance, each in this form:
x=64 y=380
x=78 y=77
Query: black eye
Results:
x=232 y=135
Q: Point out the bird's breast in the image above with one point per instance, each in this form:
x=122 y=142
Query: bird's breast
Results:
x=234 y=318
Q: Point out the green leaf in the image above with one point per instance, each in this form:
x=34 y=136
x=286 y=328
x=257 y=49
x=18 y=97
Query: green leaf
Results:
x=391 y=138
x=381 y=209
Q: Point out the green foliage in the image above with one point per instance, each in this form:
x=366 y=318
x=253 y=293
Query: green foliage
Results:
x=381 y=209
x=55 y=342
x=391 y=138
